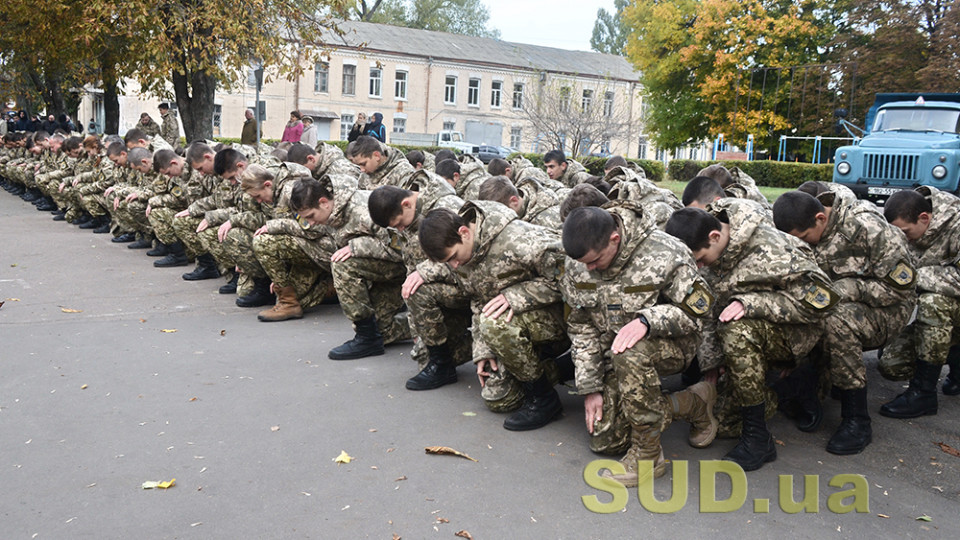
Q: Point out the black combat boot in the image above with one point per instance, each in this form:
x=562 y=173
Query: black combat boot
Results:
x=541 y=405
x=366 y=342
x=438 y=372
x=82 y=220
x=175 y=257
x=31 y=195
x=692 y=375
x=104 y=227
x=854 y=432
x=206 y=269
x=60 y=216
x=161 y=250
x=951 y=383
x=230 y=287
x=920 y=398
x=798 y=399
x=46 y=204
x=92 y=223
x=756 y=443
x=259 y=296
x=124 y=238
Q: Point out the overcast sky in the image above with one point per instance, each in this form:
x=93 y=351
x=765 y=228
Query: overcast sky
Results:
x=565 y=25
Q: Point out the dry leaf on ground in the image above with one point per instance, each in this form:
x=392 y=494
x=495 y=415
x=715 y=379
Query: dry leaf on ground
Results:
x=168 y=330
x=464 y=534
x=342 y=458
x=446 y=451
x=68 y=310
x=160 y=485
x=275 y=428
x=223 y=332
x=401 y=478
x=947 y=449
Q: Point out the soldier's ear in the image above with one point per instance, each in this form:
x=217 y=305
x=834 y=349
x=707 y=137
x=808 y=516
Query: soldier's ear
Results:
x=924 y=219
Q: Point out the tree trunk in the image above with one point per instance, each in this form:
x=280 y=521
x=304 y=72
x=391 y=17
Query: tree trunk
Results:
x=111 y=99
x=194 y=94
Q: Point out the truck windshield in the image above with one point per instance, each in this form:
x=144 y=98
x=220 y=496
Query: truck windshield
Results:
x=455 y=137
x=944 y=120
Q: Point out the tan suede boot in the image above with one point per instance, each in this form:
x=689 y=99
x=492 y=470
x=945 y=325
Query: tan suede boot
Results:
x=644 y=445
x=287 y=306
x=695 y=405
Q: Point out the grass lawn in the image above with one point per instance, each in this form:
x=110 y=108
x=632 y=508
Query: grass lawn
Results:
x=677 y=188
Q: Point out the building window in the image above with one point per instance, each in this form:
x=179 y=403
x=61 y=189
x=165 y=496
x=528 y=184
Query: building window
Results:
x=449 y=126
x=217 y=113
x=349 y=80
x=587 y=101
x=565 y=99
x=515 y=135
x=473 y=93
x=321 y=77
x=496 y=90
x=346 y=124
x=642 y=149
x=399 y=125
x=608 y=104
x=400 y=85
x=376 y=77
x=517 y=95
x=450 y=90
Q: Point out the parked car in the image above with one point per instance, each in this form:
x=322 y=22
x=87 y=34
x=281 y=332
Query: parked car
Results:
x=487 y=153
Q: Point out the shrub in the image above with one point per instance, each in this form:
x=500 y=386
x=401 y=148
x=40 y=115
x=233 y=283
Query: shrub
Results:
x=594 y=165
x=766 y=172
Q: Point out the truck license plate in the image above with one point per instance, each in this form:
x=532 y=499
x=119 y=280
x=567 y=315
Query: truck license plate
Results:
x=882 y=190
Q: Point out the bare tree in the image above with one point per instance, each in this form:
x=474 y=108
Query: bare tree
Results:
x=577 y=117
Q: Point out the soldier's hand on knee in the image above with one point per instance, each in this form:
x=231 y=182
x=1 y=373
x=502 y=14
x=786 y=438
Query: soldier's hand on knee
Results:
x=733 y=312
x=182 y=213
x=132 y=197
x=482 y=367
x=497 y=307
x=116 y=203
x=223 y=230
x=342 y=254
x=593 y=408
x=147 y=211
x=62 y=185
x=261 y=230
x=411 y=284
x=629 y=335
x=204 y=225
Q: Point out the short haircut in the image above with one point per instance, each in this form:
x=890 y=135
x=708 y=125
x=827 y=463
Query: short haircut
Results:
x=40 y=135
x=71 y=144
x=497 y=188
x=254 y=177
x=581 y=195
x=196 y=150
x=279 y=153
x=365 y=146
x=587 y=228
x=349 y=151
x=137 y=155
x=813 y=188
x=719 y=173
x=906 y=205
x=163 y=158
x=306 y=194
x=116 y=148
x=554 y=155
x=614 y=161
x=299 y=152
x=439 y=231
x=599 y=183
x=444 y=154
x=384 y=204
x=692 y=226
x=226 y=160
x=497 y=167
x=135 y=135
x=415 y=157
x=164 y=106
x=447 y=168
x=703 y=190
x=796 y=211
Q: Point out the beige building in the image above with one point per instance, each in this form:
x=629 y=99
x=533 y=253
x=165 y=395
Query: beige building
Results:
x=425 y=82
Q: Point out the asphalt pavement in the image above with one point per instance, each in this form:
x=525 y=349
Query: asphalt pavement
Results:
x=114 y=373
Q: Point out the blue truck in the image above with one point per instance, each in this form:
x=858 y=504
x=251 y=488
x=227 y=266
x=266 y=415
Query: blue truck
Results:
x=909 y=140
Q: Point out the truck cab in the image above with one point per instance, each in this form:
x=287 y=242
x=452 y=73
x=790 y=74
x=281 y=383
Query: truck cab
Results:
x=910 y=140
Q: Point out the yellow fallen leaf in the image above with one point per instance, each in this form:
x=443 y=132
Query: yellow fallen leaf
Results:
x=84 y=387
x=168 y=330
x=883 y=516
x=446 y=451
x=342 y=458
x=165 y=485
x=469 y=413
x=68 y=310
x=192 y=399
x=13 y=299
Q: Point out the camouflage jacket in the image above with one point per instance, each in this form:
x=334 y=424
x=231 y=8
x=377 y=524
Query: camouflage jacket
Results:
x=332 y=161
x=169 y=129
x=472 y=174
x=522 y=168
x=653 y=275
x=774 y=275
x=540 y=205
x=351 y=225
x=152 y=129
x=223 y=200
x=866 y=257
x=392 y=172
x=511 y=257
x=575 y=174
x=746 y=188
x=254 y=215
x=938 y=250
x=432 y=192
x=177 y=192
x=658 y=203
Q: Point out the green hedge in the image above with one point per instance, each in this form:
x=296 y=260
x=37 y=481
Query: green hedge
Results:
x=766 y=172
x=594 y=165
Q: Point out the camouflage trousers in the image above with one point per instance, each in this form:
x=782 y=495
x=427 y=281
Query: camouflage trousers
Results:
x=96 y=204
x=611 y=435
x=927 y=339
x=132 y=215
x=727 y=409
x=438 y=313
x=516 y=343
x=750 y=346
x=161 y=219
x=287 y=265
x=371 y=287
x=237 y=248
x=853 y=327
x=209 y=243
x=185 y=229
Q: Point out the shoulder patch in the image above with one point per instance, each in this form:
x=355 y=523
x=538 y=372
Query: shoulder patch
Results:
x=176 y=191
x=820 y=296
x=699 y=300
x=304 y=224
x=903 y=276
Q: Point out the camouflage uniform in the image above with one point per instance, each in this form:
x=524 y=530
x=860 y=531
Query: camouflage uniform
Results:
x=393 y=172
x=523 y=168
x=937 y=326
x=472 y=174
x=745 y=187
x=368 y=283
x=784 y=293
x=540 y=205
x=575 y=174
x=653 y=275
x=168 y=196
x=152 y=129
x=332 y=161
x=873 y=269
x=658 y=203
x=220 y=199
x=169 y=129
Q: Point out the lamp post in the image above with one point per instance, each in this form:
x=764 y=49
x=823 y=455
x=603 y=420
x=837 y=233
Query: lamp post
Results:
x=257 y=67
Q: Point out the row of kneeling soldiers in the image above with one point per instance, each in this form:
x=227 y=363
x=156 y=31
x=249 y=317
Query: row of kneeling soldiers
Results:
x=543 y=276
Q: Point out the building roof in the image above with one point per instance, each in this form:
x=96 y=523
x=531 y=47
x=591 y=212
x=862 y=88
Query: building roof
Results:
x=490 y=52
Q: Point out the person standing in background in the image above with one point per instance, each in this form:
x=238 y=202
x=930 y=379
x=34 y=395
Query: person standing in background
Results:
x=375 y=128
x=248 y=135
x=148 y=125
x=358 y=127
x=169 y=128
x=92 y=127
x=294 y=128
x=309 y=136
